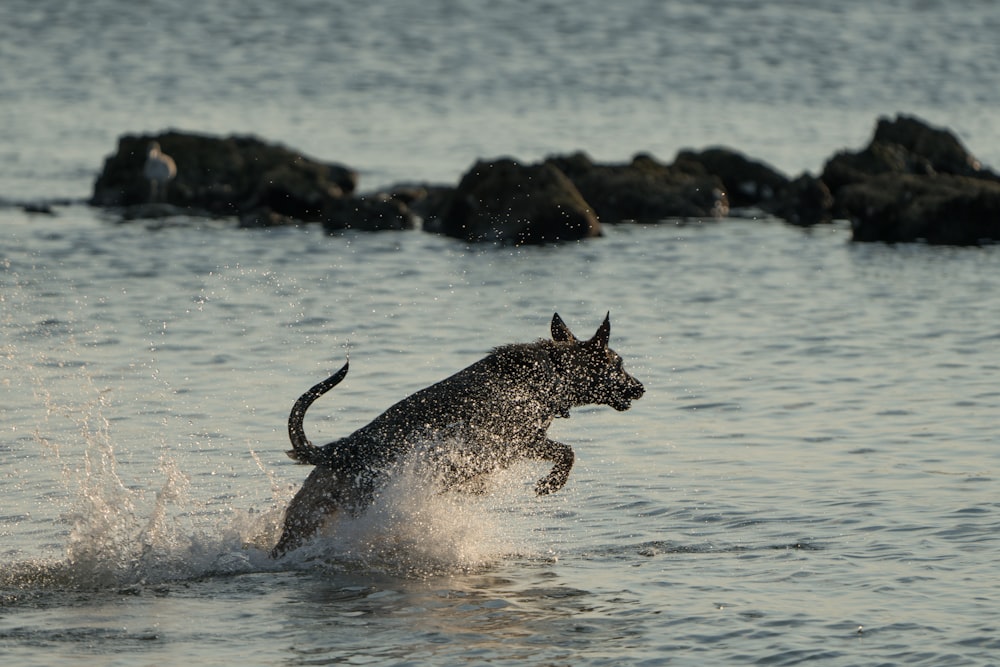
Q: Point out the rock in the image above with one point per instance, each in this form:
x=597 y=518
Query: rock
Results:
x=804 y=201
x=38 y=208
x=905 y=145
x=372 y=213
x=153 y=211
x=644 y=190
x=264 y=217
x=846 y=168
x=503 y=201
x=299 y=188
x=747 y=182
x=234 y=175
x=941 y=149
x=427 y=201
x=940 y=209
x=754 y=184
x=914 y=182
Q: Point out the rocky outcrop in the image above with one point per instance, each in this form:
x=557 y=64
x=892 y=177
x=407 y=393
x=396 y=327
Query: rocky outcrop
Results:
x=914 y=182
x=751 y=184
x=504 y=201
x=806 y=201
x=911 y=182
x=234 y=175
x=428 y=202
x=643 y=190
x=370 y=213
x=747 y=182
x=939 y=209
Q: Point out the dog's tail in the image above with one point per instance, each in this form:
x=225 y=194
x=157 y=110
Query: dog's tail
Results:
x=302 y=450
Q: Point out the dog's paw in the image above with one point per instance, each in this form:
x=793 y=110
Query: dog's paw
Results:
x=547 y=485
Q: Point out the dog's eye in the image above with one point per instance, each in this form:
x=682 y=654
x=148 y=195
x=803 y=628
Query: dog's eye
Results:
x=619 y=364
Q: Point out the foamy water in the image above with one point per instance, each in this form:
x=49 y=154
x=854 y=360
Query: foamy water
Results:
x=156 y=530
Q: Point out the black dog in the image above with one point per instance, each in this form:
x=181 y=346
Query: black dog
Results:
x=497 y=411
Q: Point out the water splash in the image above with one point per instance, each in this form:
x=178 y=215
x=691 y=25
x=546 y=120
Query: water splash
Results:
x=158 y=531
x=126 y=534
x=415 y=529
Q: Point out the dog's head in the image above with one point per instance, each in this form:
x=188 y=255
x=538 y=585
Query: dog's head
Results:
x=594 y=371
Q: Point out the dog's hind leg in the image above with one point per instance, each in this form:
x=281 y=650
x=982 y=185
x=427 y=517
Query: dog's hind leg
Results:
x=320 y=497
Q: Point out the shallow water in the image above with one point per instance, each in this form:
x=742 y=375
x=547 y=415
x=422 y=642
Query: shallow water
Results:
x=811 y=474
x=815 y=452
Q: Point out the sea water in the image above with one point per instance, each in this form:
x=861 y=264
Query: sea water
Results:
x=811 y=475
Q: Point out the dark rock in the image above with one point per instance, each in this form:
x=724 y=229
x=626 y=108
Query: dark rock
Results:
x=905 y=145
x=846 y=168
x=940 y=209
x=38 y=208
x=427 y=201
x=372 y=213
x=233 y=175
x=503 y=201
x=804 y=201
x=938 y=147
x=747 y=182
x=644 y=190
x=154 y=211
x=299 y=188
x=914 y=182
x=753 y=184
x=264 y=217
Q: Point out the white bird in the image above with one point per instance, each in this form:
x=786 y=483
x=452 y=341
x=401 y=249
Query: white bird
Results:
x=159 y=170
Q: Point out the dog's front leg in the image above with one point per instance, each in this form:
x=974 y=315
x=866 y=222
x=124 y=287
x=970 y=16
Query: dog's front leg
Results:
x=561 y=455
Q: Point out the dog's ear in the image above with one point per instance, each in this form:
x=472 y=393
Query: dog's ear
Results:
x=603 y=333
x=561 y=332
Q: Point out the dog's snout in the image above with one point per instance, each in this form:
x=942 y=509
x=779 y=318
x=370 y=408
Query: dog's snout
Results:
x=636 y=391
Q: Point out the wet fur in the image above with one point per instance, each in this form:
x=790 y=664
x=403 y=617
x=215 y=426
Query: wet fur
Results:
x=494 y=412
